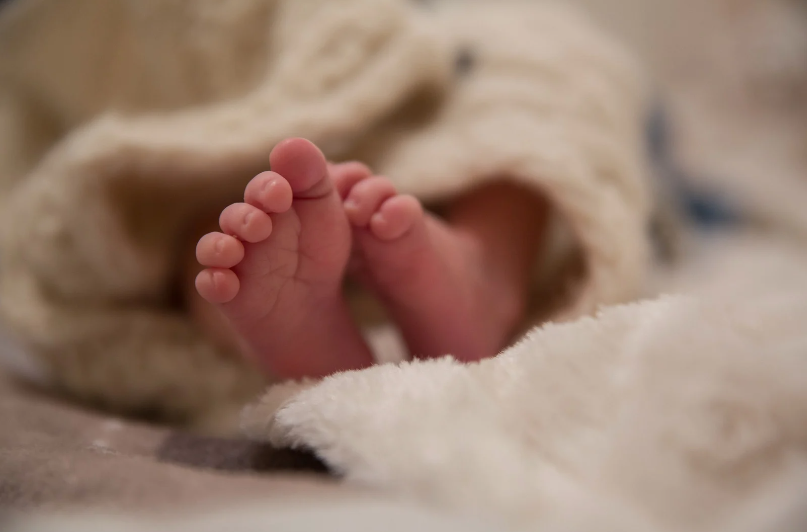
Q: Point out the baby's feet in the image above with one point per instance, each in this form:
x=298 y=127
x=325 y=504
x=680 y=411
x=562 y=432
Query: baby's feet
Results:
x=277 y=267
x=431 y=276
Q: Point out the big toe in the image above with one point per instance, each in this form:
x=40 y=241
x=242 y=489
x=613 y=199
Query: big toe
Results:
x=304 y=166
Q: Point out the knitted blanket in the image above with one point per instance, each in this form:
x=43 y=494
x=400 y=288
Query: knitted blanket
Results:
x=123 y=120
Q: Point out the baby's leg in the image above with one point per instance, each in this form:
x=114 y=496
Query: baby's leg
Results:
x=509 y=223
x=455 y=288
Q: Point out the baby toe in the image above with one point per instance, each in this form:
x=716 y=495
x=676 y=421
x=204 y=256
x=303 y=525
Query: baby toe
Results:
x=396 y=217
x=217 y=250
x=217 y=285
x=365 y=199
x=270 y=192
x=304 y=166
x=346 y=175
x=246 y=222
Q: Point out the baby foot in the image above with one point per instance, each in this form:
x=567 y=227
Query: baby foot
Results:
x=431 y=276
x=276 y=269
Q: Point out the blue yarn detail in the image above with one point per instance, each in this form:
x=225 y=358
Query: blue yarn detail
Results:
x=705 y=209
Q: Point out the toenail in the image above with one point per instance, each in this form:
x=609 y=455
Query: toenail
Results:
x=247 y=218
x=220 y=246
x=351 y=205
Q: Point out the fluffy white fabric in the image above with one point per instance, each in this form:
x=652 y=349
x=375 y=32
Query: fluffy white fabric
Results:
x=296 y=516
x=675 y=414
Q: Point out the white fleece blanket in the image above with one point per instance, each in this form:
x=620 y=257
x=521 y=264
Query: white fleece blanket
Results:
x=680 y=413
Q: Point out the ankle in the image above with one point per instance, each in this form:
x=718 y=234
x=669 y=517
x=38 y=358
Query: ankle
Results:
x=503 y=295
x=507 y=308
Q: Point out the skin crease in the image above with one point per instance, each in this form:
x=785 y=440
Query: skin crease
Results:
x=271 y=286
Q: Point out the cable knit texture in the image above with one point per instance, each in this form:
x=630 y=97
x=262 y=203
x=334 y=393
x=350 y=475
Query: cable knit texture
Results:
x=120 y=120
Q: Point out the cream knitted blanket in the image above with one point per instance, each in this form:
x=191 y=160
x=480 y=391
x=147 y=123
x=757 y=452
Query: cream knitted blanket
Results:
x=121 y=120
